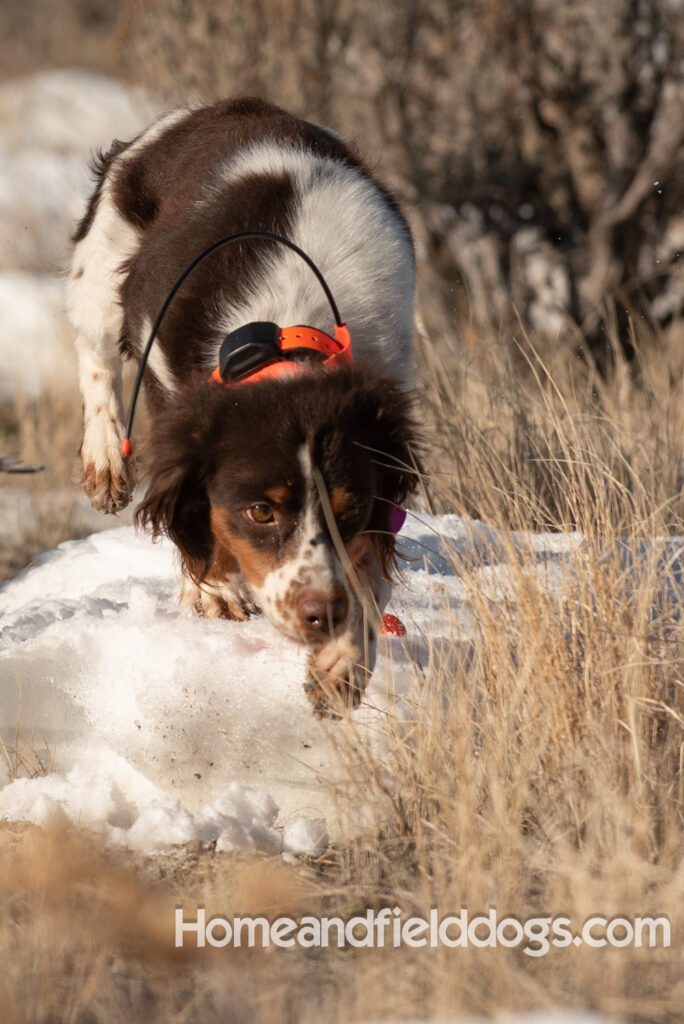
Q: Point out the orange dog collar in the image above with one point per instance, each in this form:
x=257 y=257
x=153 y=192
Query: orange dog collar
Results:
x=255 y=352
x=255 y=361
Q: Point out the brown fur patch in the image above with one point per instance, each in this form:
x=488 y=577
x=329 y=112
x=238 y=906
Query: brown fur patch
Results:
x=254 y=565
x=362 y=553
x=99 y=166
x=89 y=475
x=374 y=550
x=224 y=562
x=179 y=162
x=108 y=491
x=340 y=500
x=280 y=495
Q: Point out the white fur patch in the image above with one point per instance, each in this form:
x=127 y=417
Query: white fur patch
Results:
x=313 y=565
x=214 y=599
x=95 y=312
x=93 y=287
x=92 y=300
x=157 y=361
x=344 y=223
x=348 y=656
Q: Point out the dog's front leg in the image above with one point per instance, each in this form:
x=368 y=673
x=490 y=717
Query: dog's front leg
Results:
x=108 y=478
x=226 y=598
x=94 y=306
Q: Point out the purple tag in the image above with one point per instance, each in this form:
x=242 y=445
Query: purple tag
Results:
x=397 y=518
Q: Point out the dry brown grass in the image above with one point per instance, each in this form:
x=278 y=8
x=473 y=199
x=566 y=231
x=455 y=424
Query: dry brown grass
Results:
x=42 y=433
x=528 y=436
x=40 y=510
x=541 y=772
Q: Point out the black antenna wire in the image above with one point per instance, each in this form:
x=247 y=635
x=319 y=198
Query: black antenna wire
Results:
x=126 y=441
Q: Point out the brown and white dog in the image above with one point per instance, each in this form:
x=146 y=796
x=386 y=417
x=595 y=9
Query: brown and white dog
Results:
x=277 y=493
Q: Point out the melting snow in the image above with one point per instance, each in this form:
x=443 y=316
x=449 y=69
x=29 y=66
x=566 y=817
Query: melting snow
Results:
x=158 y=727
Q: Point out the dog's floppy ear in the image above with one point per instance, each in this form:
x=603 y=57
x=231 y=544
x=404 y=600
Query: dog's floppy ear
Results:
x=397 y=453
x=176 y=503
x=399 y=447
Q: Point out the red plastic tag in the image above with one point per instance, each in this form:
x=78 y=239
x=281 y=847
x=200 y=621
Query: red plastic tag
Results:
x=390 y=625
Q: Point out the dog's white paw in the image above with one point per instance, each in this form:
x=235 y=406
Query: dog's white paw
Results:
x=213 y=600
x=108 y=478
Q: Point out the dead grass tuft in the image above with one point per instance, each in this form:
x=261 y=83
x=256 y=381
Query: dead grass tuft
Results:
x=536 y=768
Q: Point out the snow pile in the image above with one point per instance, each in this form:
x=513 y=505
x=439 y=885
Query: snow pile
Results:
x=160 y=727
x=242 y=818
x=51 y=123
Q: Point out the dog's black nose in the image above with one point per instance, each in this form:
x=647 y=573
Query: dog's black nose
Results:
x=318 y=613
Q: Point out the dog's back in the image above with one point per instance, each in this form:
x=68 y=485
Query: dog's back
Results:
x=197 y=175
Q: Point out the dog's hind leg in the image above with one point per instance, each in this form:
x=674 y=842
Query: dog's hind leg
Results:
x=104 y=241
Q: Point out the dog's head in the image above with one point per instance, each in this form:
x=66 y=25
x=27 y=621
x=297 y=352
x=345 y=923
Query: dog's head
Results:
x=290 y=483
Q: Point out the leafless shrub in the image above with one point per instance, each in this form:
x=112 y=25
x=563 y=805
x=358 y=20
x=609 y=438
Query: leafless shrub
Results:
x=539 y=144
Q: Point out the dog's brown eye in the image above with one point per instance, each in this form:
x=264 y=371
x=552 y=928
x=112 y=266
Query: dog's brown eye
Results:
x=262 y=514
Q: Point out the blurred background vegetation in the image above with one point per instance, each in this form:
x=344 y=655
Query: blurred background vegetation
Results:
x=537 y=144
